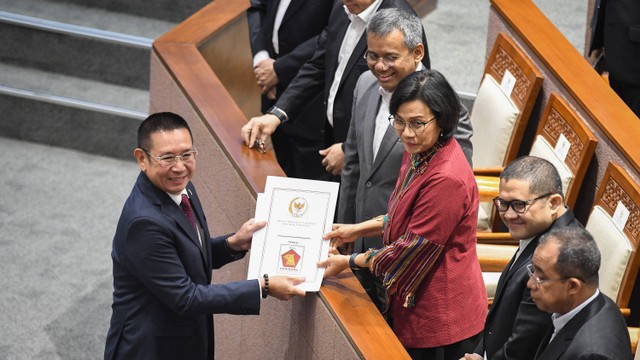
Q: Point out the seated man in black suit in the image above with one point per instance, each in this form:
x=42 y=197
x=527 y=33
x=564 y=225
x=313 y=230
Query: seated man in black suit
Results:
x=564 y=281
x=530 y=203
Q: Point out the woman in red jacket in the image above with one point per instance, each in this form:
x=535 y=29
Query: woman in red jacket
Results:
x=436 y=296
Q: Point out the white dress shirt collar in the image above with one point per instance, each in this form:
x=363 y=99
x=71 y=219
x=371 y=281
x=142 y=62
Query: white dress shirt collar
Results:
x=366 y=14
x=178 y=198
x=559 y=321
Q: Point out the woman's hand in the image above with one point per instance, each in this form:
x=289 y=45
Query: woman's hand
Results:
x=335 y=264
x=342 y=233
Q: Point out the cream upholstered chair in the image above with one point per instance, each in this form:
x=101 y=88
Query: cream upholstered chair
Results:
x=564 y=140
x=501 y=110
x=614 y=223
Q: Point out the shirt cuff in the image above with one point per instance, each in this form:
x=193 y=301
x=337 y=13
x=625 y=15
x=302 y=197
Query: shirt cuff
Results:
x=259 y=56
x=259 y=288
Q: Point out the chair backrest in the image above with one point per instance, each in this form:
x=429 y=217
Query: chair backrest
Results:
x=615 y=224
x=509 y=88
x=564 y=139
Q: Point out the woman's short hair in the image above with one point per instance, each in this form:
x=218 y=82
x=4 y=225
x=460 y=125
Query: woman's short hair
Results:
x=433 y=89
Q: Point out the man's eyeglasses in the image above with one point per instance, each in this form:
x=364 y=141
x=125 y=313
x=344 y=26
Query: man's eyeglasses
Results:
x=387 y=60
x=519 y=206
x=531 y=270
x=169 y=160
x=415 y=126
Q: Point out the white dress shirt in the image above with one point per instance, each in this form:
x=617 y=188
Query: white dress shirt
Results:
x=354 y=32
x=382 y=118
x=263 y=54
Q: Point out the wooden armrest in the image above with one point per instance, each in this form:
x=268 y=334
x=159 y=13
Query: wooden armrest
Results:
x=634 y=333
x=487 y=187
x=626 y=312
x=488 y=171
x=499 y=238
x=494 y=258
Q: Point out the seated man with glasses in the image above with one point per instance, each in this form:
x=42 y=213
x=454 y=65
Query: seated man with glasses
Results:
x=564 y=282
x=530 y=203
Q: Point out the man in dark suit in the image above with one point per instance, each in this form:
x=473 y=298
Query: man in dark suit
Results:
x=373 y=152
x=163 y=299
x=283 y=36
x=564 y=282
x=616 y=28
x=333 y=71
x=530 y=203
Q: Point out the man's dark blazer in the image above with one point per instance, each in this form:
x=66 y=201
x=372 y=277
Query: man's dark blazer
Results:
x=616 y=27
x=596 y=332
x=515 y=325
x=316 y=76
x=163 y=299
x=301 y=25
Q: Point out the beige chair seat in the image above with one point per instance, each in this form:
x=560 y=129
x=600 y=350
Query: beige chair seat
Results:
x=491 y=283
x=494 y=258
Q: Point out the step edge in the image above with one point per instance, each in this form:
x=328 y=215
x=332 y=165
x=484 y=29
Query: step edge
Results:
x=71 y=102
x=75 y=30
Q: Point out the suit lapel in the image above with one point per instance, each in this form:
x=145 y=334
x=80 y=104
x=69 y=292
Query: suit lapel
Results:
x=168 y=207
x=294 y=5
x=270 y=18
x=563 y=338
x=173 y=211
x=357 y=54
x=504 y=278
x=368 y=125
x=197 y=209
x=544 y=343
x=554 y=349
x=333 y=45
x=389 y=140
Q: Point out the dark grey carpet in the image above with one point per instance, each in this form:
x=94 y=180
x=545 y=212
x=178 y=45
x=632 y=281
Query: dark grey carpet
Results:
x=58 y=212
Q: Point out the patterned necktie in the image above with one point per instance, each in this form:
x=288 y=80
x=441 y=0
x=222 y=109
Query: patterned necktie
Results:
x=188 y=211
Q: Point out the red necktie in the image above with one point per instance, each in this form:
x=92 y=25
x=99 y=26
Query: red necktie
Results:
x=188 y=211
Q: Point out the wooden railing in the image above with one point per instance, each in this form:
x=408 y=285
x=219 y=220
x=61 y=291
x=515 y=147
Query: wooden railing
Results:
x=202 y=70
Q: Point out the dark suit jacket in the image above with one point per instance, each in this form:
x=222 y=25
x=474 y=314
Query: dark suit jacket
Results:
x=616 y=26
x=515 y=325
x=303 y=21
x=597 y=332
x=366 y=184
x=163 y=299
x=316 y=76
